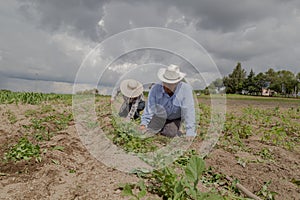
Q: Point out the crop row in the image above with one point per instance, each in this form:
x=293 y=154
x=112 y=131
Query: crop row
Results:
x=8 y=97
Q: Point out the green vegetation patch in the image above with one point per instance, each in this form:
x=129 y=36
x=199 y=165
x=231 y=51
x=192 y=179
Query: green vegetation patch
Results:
x=23 y=150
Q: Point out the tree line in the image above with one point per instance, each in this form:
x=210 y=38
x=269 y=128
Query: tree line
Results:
x=282 y=82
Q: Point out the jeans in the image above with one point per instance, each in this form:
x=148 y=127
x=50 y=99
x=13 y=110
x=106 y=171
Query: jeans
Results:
x=166 y=127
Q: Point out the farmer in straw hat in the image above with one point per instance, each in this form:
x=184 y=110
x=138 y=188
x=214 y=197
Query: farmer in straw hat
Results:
x=134 y=103
x=169 y=103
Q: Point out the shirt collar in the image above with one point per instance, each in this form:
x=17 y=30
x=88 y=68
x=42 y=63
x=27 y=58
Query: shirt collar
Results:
x=162 y=91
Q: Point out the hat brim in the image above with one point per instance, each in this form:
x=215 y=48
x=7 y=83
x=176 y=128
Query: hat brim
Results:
x=131 y=93
x=161 y=77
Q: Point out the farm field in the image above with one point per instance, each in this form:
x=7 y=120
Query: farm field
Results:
x=42 y=156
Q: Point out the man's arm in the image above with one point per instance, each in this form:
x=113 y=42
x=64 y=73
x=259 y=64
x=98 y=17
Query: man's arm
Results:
x=189 y=110
x=115 y=93
x=148 y=112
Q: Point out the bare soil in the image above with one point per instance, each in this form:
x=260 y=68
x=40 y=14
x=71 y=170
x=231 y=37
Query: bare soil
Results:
x=74 y=174
x=280 y=170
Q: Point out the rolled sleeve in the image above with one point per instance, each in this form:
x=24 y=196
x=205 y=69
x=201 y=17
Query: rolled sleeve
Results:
x=189 y=111
x=148 y=112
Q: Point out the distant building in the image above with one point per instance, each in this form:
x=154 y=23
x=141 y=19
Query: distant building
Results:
x=245 y=92
x=267 y=92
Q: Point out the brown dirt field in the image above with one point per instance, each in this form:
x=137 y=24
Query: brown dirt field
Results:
x=46 y=180
x=280 y=171
x=74 y=174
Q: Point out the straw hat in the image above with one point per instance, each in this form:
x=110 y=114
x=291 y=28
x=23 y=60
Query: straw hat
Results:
x=171 y=74
x=131 y=88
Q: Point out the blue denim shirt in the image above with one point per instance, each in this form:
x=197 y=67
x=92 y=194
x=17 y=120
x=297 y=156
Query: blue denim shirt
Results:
x=179 y=105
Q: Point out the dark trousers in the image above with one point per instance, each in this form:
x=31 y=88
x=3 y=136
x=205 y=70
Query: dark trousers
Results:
x=166 y=127
x=124 y=111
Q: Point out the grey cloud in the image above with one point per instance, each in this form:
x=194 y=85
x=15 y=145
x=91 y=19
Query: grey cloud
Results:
x=224 y=16
x=31 y=53
x=51 y=37
x=60 y=15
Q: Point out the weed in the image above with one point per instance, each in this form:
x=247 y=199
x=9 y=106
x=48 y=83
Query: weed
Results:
x=30 y=113
x=129 y=190
x=296 y=181
x=23 y=150
x=242 y=162
x=46 y=127
x=266 y=154
x=46 y=109
x=11 y=117
x=171 y=184
x=56 y=162
x=266 y=193
x=126 y=135
x=58 y=148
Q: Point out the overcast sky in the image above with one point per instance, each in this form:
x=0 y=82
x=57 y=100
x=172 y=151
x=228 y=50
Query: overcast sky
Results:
x=44 y=42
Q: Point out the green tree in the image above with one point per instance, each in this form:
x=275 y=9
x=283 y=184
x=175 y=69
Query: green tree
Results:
x=216 y=86
x=234 y=83
x=273 y=78
x=298 y=84
x=218 y=83
x=298 y=77
x=288 y=82
x=260 y=82
x=250 y=83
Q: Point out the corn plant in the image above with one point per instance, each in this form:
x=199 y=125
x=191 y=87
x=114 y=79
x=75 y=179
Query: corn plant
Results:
x=8 y=97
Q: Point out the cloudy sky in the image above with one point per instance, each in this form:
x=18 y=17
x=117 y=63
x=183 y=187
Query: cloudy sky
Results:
x=43 y=43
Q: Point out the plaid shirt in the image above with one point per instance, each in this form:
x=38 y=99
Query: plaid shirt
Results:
x=134 y=106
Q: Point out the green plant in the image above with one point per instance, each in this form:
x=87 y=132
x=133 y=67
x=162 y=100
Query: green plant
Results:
x=58 y=148
x=11 y=116
x=23 y=150
x=46 y=127
x=184 y=159
x=266 y=193
x=130 y=190
x=173 y=185
x=126 y=135
x=56 y=162
x=296 y=181
x=46 y=109
x=193 y=171
x=265 y=153
x=242 y=162
x=8 y=97
x=30 y=112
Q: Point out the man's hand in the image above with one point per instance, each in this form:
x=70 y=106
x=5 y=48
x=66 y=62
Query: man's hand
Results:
x=142 y=127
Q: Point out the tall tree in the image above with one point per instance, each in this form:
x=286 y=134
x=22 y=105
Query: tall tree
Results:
x=298 y=77
x=260 y=81
x=218 y=83
x=235 y=81
x=288 y=81
x=298 y=84
x=250 y=83
x=273 y=79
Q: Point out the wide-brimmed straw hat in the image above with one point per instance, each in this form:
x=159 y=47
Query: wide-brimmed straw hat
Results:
x=171 y=74
x=131 y=88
